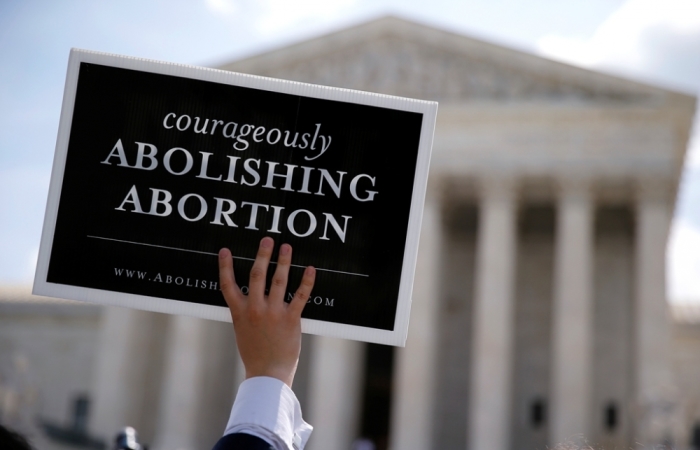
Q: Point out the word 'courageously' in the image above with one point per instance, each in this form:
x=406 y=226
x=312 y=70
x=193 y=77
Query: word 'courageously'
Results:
x=248 y=133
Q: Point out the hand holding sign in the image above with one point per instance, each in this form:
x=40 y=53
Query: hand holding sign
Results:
x=268 y=330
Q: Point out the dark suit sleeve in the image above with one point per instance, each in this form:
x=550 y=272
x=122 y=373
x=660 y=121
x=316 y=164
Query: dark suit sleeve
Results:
x=241 y=441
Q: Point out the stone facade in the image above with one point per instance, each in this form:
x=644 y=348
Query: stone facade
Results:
x=539 y=313
x=48 y=350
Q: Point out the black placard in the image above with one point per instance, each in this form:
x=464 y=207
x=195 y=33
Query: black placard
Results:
x=160 y=171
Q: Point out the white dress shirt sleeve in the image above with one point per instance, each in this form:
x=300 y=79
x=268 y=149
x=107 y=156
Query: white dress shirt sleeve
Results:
x=267 y=408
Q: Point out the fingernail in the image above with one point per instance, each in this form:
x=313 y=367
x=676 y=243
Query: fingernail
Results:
x=223 y=253
x=310 y=271
x=267 y=242
x=285 y=249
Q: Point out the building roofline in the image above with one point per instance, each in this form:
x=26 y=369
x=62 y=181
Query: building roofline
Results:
x=410 y=29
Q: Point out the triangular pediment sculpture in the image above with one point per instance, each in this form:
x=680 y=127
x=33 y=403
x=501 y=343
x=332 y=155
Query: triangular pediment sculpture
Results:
x=398 y=57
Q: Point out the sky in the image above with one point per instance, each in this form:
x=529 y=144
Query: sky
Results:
x=654 y=41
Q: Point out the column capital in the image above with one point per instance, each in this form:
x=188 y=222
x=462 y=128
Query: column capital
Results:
x=656 y=189
x=497 y=187
x=574 y=188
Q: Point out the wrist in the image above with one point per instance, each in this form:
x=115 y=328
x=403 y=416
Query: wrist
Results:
x=283 y=374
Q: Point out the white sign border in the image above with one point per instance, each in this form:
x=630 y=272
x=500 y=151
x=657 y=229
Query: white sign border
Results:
x=395 y=337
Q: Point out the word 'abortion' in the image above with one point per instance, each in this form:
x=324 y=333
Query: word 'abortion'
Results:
x=250 y=172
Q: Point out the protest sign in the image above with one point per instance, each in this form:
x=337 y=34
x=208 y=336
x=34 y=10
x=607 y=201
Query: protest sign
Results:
x=159 y=165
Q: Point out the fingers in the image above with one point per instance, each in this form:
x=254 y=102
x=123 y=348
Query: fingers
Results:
x=279 y=280
x=258 y=273
x=227 y=279
x=302 y=294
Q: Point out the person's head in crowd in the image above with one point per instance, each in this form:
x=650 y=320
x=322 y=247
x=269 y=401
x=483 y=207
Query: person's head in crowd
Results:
x=9 y=440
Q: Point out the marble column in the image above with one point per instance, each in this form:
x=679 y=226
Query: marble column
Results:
x=219 y=364
x=182 y=385
x=122 y=370
x=414 y=370
x=653 y=383
x=335 y=392
x=491 y=380
x=572 y=330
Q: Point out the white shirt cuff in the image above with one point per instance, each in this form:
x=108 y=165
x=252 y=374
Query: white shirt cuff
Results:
x=267 y=408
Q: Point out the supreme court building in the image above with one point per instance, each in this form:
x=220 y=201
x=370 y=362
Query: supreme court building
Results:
x=539 y=310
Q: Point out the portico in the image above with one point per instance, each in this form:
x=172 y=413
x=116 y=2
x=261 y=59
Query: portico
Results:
x=539 y=312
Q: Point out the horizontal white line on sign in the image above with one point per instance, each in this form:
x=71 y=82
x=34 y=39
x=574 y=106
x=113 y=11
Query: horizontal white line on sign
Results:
x=216 y=254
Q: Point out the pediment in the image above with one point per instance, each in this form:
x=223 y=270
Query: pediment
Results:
x=397 y=57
